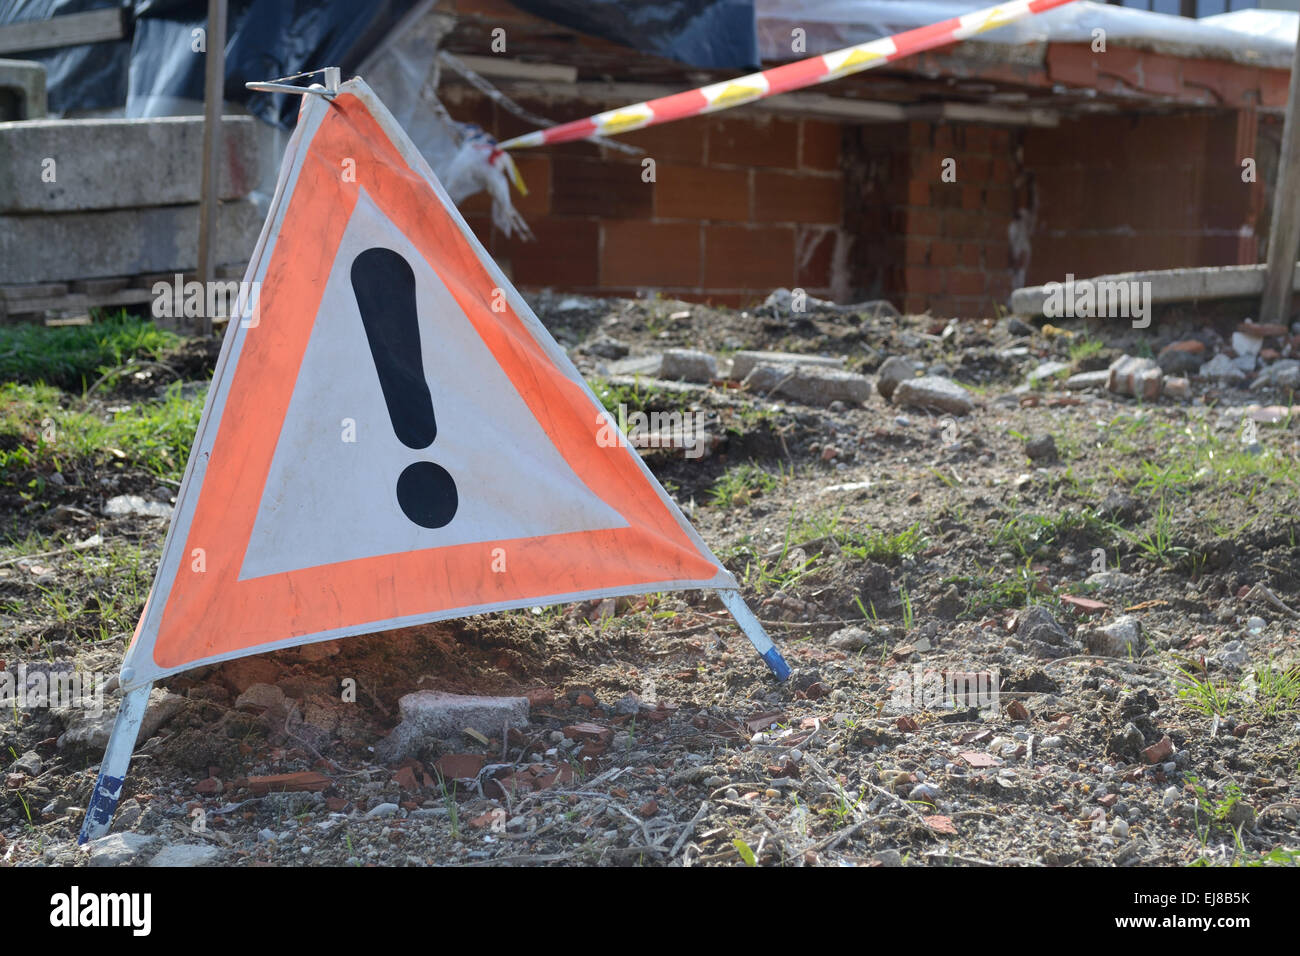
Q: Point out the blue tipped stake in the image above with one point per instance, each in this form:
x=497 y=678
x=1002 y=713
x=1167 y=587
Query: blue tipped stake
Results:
x=112 y=770
x=754 y=631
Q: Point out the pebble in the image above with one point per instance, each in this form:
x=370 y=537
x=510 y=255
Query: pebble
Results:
x=1119 y=829
x=1170 y=797
x=1233 y=654
x=382 y=810
x=1050 y=743
x=924 y=791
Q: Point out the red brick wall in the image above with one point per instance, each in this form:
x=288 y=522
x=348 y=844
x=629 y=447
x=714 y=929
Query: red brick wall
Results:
x=748 y=202
x=740 y=205
x=925 y=243
x=1128 y=192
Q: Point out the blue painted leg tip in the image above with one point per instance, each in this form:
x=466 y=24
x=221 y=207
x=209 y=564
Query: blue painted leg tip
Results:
x=777 y=663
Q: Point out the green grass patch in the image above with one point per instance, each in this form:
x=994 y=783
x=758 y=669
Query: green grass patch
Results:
x=1026 y=535
x=638 y=397
x=38 y=434
x=741 y=484
x=884 y=546
x=73 y=357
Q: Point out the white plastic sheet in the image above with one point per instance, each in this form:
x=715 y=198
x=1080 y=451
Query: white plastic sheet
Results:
x=1263 y=40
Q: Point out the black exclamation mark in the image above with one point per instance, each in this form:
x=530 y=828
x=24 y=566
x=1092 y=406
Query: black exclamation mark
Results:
x=384 y=285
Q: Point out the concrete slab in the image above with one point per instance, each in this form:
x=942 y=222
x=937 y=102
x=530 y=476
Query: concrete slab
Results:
x=742 y=363
x=119 y=242
x=1167 y=285
x=119 y=163
x=809 y=384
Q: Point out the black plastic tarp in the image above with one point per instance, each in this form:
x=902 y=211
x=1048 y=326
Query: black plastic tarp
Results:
x=88 y=77
x=267 y=39
x=156 y=65
x=714 y=34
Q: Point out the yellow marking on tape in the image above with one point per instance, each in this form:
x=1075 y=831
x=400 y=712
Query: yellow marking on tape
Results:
x=624 y=120
x=855 y=57
x=998 y=17
x=734 y=93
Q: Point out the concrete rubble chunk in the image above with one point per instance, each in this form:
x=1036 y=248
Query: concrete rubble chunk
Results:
x=933 y=392
x=1046 y=370
x=91 y=731
x=1036 y=623
x=135 y=505
x=742 y=363
x=1139 y=377
x=119 y=242
x=1122 y=637
x=851 y=638
x=1086 y=380
x=783 y=302
x=1110 y=580
x=121 y=163
x=29 y=763
x=637 y=365
x=809 y=384
x=429 y=716
x=1283 y=374
x=690 y=365
x=185 y=854
x=1222 y=369
x=893 y=370
x=119 y=849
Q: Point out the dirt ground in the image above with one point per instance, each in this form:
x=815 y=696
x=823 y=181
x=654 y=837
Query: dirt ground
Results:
x=1130 y=590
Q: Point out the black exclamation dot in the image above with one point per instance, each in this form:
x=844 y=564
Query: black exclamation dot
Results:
x=384 y=285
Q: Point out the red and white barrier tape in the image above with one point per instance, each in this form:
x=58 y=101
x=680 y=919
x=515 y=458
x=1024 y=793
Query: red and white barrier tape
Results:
x=783 y=79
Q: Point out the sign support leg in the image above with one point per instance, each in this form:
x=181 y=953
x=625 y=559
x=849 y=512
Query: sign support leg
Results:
x=112 y=770
x=748 y=623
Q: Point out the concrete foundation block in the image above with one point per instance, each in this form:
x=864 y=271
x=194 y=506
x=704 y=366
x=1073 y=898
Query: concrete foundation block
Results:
x=83 y=165
x=119 y=242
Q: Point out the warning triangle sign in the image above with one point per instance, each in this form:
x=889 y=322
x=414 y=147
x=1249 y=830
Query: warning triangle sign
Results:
x=391 y=436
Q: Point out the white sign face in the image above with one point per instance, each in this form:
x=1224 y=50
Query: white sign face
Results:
x=332 y=491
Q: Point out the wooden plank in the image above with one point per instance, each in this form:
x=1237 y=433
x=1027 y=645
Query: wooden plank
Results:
x=1284 y=231
x=73 y=29
x=502 y=68
x=80 y=301
x=98 y=286
x=35 y=290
